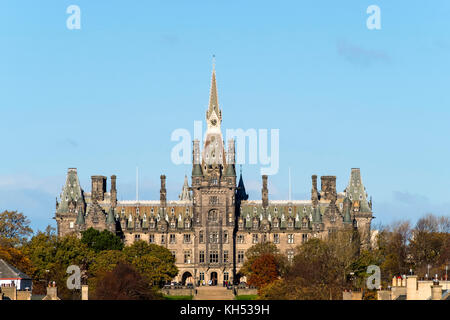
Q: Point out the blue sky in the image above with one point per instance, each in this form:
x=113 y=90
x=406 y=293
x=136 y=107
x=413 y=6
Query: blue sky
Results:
x=107 y=97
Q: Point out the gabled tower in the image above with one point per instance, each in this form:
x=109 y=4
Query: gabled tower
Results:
x=70 y=211
x=361 y=208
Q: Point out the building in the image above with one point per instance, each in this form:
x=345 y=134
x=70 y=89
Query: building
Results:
x=411 y=288
x=212 y=224
x=12 y=277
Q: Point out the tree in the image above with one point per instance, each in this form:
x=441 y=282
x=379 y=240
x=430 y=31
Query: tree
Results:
x=155 y=263
x=260 y=249
x=263 y=271
x=104 y=240
x=14 y=228
x=124 y=283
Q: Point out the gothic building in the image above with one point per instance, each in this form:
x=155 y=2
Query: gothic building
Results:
x=212 y=224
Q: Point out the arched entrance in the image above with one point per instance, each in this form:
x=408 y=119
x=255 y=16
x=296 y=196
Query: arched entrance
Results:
x=187 y=278
x=213 y=278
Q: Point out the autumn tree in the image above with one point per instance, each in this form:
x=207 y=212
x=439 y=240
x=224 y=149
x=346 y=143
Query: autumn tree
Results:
x=124 y=282
x=263 y=271
x=260 y=249
x=14 y=228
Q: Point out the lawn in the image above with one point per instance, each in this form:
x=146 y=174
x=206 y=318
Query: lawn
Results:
x=178 y=297
x=246 y=297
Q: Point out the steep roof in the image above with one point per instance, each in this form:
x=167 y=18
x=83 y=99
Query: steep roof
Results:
x=7 y=271
x=356 y=190
x=71 y=192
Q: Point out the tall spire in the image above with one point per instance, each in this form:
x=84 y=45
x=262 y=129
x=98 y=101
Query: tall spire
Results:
x=213 y=112
x=185 y=193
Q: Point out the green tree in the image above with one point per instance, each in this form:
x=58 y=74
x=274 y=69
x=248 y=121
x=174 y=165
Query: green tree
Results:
x=155 y=263
x=104 y=240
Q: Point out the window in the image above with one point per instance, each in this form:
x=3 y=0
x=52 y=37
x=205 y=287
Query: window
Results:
x=241 y=256
x=201 y=238
x=172 y=210
x=275 y=223
x=213 y=200
x=71 y=225
x=173 y=224
x=255 y=238
x=172 y=239
x=187 y=238
x=137 y=210
x=290 y=223
x=163 y=239
x=187 y=224
x=240 y=238
x=201 y=257
x=152 y=224
x=290 y=255
x=225 y=276
x=225 y=256
x=137 y=237
x=174 y=254
x=304 y=237
x=214 y=237
x=255 y=224
x=290 y=238
x=225 y=236
x=212 y=215
x=213 y=257
x=202 y=276
x=290 y=210
x=187 y=257
x=264 y=237
x=151 y=238
x=276 y=238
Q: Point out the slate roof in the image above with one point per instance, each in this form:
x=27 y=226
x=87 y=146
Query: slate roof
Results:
x=7 y=271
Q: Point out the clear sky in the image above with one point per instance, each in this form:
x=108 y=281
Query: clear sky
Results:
x=107 y=97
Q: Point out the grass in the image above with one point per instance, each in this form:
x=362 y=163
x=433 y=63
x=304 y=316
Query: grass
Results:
x=246 y=297
x=178 y=297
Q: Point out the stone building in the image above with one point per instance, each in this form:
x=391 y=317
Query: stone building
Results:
x=212 y=224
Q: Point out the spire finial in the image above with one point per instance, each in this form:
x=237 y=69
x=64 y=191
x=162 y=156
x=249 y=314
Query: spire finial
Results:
x=214 y=62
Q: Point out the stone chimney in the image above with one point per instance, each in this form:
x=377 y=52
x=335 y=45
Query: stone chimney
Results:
x=411 y=287
x=265 y=192
x=314 y=192
x=113 y=191
x=98 y=188
x=84 y=292
x=436 y=291
x=163 y=192
x=52 y=292
x=328 y=187
x=9 y=292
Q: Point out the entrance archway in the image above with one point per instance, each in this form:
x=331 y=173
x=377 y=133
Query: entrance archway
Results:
x=187 y=278
x=213 y=278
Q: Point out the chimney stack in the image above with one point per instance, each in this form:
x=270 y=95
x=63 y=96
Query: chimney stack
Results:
x=163 y=192
x=98 y=188
x=328 y=187
x=314 y=192
x=265 y=192
x=113 y=191
x=84 y=292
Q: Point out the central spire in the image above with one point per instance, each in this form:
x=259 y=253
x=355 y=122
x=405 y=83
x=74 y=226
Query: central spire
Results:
x=213 y=115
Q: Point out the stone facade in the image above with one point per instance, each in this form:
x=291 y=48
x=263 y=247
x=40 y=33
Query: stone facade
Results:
x=213 y=223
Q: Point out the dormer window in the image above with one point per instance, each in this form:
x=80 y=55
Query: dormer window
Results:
x=304 y=209
x=151 y=210
x=122 y=211
x=290 y=210
x=137 y=210
x=276 y=224
x=275 y=209
x=187 y=224
x=172 y=210
x=255 y=210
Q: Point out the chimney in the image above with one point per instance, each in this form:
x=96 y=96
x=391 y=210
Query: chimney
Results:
x=265 y=192
x=84 y=292
x=113 y=191
x=163 y=192
x=328 y=187
x=98 y=188
x=52 y=292
x=436 y=290
x=314 y=192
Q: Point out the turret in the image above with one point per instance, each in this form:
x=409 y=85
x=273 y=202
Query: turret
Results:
x=98 y=189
